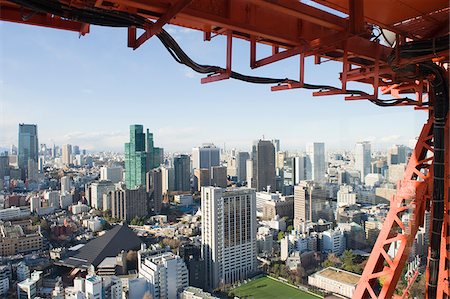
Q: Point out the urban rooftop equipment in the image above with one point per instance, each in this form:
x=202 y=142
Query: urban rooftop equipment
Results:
x=397 y=46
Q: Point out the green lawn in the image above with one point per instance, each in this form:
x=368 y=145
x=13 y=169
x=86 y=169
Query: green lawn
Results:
x=267 y=288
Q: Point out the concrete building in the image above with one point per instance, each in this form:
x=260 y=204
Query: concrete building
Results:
x=263 y=168
x=363 y=159
x=127 y=204
x=28 y=288
x=308 y=204
x=22 y=271
x=154 y=190
x=28 y=147
x=397 y=155
x=113 y=174
x=202 y=178
x=66 y=154
x=16 y=239
x=168 y=179
x=166 y=274
x=333 y=241
x=196 y=293
x=98 y=189
x=228 y=234
x=346 y=196
x=182 y=173
x=335 y=281
x=316 y=155
x=66 y=184
x=94 y=287
x=219 y=176
x=14 y=213
x=206 y=156
x=282 y=206
x=241 y=162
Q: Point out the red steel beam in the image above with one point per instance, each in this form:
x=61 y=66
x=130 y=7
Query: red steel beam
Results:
x=304 y=12
x=157 y=26
x=13 y=14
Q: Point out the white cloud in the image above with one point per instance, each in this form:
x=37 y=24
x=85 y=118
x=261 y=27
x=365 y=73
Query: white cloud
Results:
x=389 y=139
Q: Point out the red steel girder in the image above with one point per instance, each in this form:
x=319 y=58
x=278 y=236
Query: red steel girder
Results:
x=26 y=16
x=157 y=26
x=412 y=194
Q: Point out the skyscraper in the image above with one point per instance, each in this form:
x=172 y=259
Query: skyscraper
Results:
x=228 y=234
x=135 y=158
x=206 y=156
x=28 y=146
x=363 y=159
x=66 y=154
x=263 y=157
x=310 y=204
x=181 y=165
x=316 y=153
x=127 y=204
x=154 y=189
x=241 y=163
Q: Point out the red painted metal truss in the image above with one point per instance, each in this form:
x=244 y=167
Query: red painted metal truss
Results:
x=290 y=27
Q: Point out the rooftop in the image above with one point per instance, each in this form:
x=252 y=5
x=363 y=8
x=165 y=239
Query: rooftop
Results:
x=339 y=275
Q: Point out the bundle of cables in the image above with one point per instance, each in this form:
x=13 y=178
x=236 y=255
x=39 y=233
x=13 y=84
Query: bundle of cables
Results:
x=96 y=16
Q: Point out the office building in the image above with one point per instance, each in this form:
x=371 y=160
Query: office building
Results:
x=94 y=287
x=316 y=155
x=166 y=274
x=155 y=155
x=363 y=159
x=28 y=147
x=135 y=158
x=263 y=158
x=127 y=204
x=154 y=190
x=219 y=176
x=15 y=239
x=397 y=154
x=309 y=204
x=241 y=162
x=298 y=169
x=113 y=174
x=168 y=179
x=202 y=178
x=28 y=288
x=346 y=196
x=182 y=180
x=206 y=156
x=228 y=234
x=66 y=154
x=333 y=240
x=66 y=184
x=98 y=189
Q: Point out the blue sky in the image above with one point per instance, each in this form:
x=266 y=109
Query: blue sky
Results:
x=88 y=90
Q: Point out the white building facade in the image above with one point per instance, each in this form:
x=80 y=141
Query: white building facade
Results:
x=228 y=234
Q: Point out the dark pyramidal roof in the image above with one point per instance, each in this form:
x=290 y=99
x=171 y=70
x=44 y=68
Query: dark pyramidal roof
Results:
x=121 y=237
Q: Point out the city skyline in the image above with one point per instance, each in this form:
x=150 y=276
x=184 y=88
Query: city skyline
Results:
x=122 y=92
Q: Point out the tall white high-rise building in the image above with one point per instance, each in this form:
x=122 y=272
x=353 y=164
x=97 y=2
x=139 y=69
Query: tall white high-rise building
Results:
x=298 y=169
x=98 y=189
x=166 y=273
x=228 y=234
x=363 y=159
x=316 y=153
x=168 y=179
x=206 y=156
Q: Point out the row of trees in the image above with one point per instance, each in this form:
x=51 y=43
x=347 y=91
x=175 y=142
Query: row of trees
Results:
x=348 y=261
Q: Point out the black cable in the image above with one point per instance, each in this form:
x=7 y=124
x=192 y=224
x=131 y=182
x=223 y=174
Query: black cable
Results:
x=102 y=17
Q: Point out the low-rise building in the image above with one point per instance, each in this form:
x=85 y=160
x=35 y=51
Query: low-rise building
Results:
x=15 y=239
x=195 y=293
x=335 y=281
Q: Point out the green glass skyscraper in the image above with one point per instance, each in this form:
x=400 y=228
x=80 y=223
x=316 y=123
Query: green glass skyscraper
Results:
x=135 y=158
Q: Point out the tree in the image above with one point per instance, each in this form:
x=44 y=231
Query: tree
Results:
x=280 y=236
x=290 y=228
x=132 y=260
x=332 y=261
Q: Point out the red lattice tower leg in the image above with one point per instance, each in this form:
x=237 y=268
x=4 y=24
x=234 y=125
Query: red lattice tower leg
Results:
x=413 y=192
x=443 y=287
